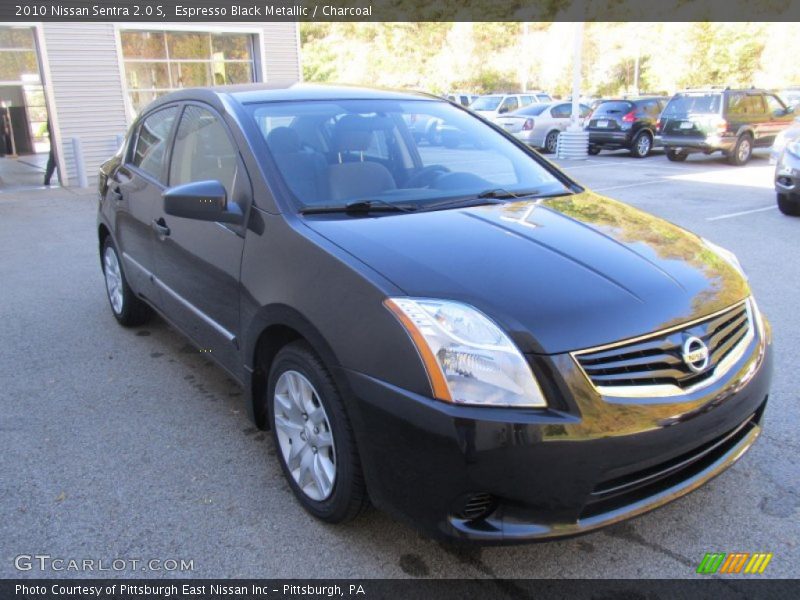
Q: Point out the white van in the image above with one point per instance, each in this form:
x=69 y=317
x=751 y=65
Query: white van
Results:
x=492 y=106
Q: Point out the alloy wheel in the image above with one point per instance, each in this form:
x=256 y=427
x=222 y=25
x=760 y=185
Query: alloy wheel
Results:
x=304 y=435
x=113 y=276
x=744 y=150
x=552 y=141
x=643 y=145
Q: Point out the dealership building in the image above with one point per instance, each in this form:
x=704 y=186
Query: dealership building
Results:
x=91 y=79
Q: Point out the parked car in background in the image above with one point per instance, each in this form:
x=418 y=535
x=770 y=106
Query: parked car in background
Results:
x=790 y=96
x=423 y=127
x=628 y=123
x=730 y=121
x=540 y=124
x=493 y=105
x=786 y=156
x=462 y=99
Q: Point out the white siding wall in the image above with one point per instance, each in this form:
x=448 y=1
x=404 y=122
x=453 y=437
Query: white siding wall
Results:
x=84 y=80
x=83 y=73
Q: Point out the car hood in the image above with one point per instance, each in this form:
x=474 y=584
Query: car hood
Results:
x=559 y=274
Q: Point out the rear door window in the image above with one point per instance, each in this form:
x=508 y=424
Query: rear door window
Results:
x=746 y=105
x=149 y=148
x=509 y=104
x=561 y=111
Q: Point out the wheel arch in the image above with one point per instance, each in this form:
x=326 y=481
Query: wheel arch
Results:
x=272 y=328
x=103 y=233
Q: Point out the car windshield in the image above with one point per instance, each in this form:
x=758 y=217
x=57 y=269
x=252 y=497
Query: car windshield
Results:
x=532 y=110
x=614 y=107
x=486 y=103
x=399 y=153
x=692 y=104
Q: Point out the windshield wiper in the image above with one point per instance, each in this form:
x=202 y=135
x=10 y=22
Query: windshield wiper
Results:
x=358 y=206
x=492 y=196
x=502 y=193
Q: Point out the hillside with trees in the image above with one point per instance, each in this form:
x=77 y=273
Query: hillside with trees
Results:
x=486 y=57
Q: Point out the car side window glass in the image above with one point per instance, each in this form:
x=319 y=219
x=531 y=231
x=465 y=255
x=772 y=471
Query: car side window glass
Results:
x=561 y=111
x=774 y=106
x=203 y=150
x=149 y=149
x=510 y=104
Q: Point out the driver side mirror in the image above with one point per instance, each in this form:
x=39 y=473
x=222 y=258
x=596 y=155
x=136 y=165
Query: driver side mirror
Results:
x=201 y=200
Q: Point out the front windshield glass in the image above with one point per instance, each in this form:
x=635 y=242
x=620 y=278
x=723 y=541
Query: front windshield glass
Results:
x=486 y=103
x=409 y=153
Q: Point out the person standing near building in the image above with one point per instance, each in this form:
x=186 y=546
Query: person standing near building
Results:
x=51 y=157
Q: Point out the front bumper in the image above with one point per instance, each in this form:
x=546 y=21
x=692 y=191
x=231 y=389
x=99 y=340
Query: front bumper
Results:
x=787 y=174
x=583 y=463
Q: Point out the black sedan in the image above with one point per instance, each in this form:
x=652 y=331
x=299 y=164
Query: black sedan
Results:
x=463 y=336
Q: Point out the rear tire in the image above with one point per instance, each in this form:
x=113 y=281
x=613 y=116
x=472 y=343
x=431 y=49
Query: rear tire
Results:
x=642 y=145
x=788 y=206
x=594 y=150
x=676 y=156
x=316 y=438
x=551 y=142
x=742 y=151
x=128 y=309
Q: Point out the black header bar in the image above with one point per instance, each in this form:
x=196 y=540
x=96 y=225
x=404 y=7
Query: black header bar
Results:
x=189 y=11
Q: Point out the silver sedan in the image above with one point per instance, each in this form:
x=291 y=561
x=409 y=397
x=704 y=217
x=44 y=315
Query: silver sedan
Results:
x=539 y=124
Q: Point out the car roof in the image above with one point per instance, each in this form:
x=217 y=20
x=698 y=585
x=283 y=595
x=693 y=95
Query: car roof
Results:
x=267 y=92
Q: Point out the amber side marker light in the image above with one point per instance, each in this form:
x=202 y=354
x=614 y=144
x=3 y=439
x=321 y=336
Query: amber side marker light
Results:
x=435 y=374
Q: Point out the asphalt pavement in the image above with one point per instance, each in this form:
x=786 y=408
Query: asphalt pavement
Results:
x=129 y=444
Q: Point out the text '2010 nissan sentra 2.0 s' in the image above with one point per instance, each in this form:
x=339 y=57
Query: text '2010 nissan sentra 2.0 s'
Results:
x=456 y=332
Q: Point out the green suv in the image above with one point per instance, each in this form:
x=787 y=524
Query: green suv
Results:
x=733 y=122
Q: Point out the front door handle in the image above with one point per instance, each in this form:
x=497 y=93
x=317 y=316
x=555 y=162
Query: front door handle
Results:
x=161 y=227
x=115 y=194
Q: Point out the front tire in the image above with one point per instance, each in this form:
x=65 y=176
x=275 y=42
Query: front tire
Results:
x=742 y=151
x=594 y=150
x=128 y=309
x=788 y=206
x=313 y=436
x=642 y=145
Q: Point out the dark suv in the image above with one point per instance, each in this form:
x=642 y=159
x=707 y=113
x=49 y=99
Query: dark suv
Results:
x=630 y=124
x=733 y=122
x=464 y=335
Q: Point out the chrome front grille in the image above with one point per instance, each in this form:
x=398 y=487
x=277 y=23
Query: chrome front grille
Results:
x=656 y=364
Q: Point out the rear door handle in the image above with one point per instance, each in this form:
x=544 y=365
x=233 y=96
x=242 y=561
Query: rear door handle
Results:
x=161 y=227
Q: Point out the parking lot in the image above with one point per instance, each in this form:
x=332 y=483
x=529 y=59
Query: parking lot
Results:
x=130 y=444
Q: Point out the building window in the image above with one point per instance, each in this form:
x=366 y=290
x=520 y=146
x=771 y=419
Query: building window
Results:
x=21 y=92
x=157 y=62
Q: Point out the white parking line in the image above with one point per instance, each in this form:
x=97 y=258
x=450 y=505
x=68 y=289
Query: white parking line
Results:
x=740 y=213
x=619 y=187
x=622 y=163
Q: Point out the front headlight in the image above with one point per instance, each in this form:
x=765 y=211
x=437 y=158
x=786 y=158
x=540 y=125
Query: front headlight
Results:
x=726 y=255
x=469 y=359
